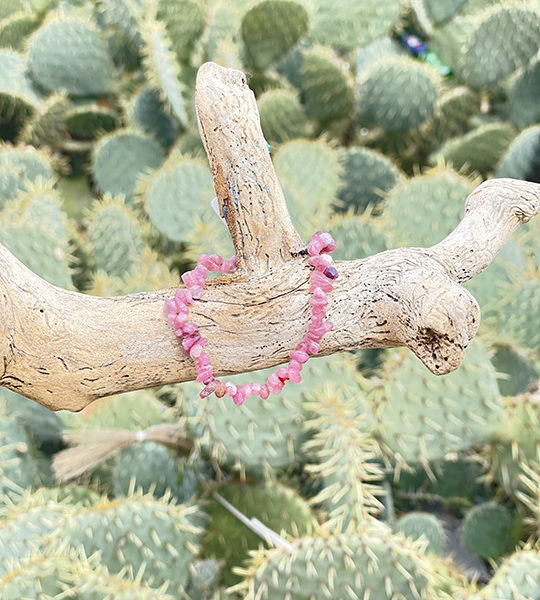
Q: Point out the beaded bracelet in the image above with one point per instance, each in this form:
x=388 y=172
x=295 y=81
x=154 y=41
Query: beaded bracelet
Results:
x=193 y=343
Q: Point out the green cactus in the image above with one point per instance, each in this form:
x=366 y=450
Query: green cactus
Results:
x=398 y=93
x=132 y=410
x=276 y=506
x=383 y=47
x=367 y=176
x=176 y=194
x=31 y=164
x=162 y=69
x=88 y=121
x=148 y=113
x=492 y=284
x=371 y=563
x=415 y=524
x=451 y=117
x=34 y=228
x=477 y=151
x=43 y=425
x=47 y=127
x=356 y=237
x=262 y=436
x=487 y=530
x=10 y=6
x=514 y=315
x=15 y=28
x=326 y=88
x=436 y=12
x=19 y=468
x=270 y=29
x=515 y=443
x=521 y=159
x=422 y=417
x=282 y=116
x=19 y=97
x=11 y=183
x=136 y=531
x=22 y=525
x=124 y=15
x=347 y=25
x=184 y=21
x=421 y=211
x=69 y=55
x=515 y=27
x=514 y=372
x=308 y=172
x=343 y=456
x=153 y=468
x=120 y=158
x=523 y=101
x=117 y=235
x=516 y=578
x=204 y=579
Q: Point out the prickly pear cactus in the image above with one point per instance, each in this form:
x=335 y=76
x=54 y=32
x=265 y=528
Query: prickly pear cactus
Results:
x=377 y=136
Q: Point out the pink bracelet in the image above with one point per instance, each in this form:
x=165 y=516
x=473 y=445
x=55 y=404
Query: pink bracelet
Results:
x=193 y=343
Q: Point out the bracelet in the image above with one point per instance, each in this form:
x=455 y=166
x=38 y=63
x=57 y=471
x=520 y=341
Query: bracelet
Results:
x=176 y=309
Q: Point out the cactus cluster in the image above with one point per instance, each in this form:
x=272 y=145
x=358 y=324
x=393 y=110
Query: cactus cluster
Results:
x=357 y=483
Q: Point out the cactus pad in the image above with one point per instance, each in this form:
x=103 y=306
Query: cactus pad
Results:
x=487 y=530
x=276 y=506
x=413 y=525
x=521 y=159
x=350 y=25
x=270 y=29
x=282 y=116
x=367 y=175
x=120 y=158
x=399 y=93
x=422 y=417
x=523 y=102
x=356 y=237
x=371 y=563
x=423 y=210
x=71 y=56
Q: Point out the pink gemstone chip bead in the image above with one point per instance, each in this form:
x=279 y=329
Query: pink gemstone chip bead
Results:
x=322 y=281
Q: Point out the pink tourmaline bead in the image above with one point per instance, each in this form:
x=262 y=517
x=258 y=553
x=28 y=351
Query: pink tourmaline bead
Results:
x=189 y=279
x=229 y=266
x=180 y=320
x=205 y=376
x=295 y=376
x=327 y=241
x=212 y=262
x=312 y=346
x=200 y=272
x=283 y=373
x=190 y=328
x=299 y=355
x=294 y=365
x=231 y=389
x=256 y=388
x=196 y=291
x=320 y=262
x=171 y=318
x=318 y=298
x=265 y=392
x=170 y=306
x=274 y=383
x=221 y=389
x=182 y=298
x=318 y=280
x=203 y=359
x=189 y=340
x=239 y=397
x=301 y=347
x=195 y=351
x=331 y=273
x=248 y=390
x=209 y=389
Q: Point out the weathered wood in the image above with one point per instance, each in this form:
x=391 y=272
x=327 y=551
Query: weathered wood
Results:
x=66 y=349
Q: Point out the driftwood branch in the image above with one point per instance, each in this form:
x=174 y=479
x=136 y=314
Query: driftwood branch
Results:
x=66 y=349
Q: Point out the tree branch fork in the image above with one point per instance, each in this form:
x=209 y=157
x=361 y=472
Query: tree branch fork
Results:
x=66 y=349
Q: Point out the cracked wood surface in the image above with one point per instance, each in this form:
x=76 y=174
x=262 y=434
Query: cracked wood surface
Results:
x=65 y=349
